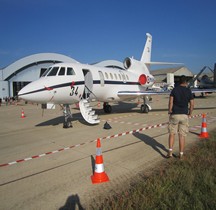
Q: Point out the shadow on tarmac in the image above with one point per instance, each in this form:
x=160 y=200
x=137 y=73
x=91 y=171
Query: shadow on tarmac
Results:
x=72 y=203
x=152 y=143
x=92 y=164
x=54 y=121
x=59 y=120
x=120 y=107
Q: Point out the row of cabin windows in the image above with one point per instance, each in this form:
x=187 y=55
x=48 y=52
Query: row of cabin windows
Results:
x=120 y=76
x=60 y=71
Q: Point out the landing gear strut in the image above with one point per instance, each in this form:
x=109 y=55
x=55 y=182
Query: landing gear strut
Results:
x=107 y=108
x=67 y=117
x=145 y=107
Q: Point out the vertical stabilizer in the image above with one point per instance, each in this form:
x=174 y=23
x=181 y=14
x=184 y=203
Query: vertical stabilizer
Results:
x=146 y=55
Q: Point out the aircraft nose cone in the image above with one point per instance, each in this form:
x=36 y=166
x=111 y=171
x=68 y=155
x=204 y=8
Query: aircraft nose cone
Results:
x=35 y=92
x=22 y=94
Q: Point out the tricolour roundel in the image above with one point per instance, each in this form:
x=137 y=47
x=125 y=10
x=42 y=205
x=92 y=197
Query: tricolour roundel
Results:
x=142 y=79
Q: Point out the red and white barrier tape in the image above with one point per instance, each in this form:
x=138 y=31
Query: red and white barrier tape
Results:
x=77 y=145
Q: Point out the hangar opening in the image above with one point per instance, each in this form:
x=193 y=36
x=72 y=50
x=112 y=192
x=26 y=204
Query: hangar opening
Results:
x=17 y=86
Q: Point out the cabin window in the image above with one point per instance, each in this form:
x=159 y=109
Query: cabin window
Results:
x=115 y=76
x=54 y=71
x=127 y=77
x=61 y=71
x=111 y=75
x=120 y=76
x=106 y=75
x=70 y=71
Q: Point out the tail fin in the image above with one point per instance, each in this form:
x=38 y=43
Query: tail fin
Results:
x=146 y=55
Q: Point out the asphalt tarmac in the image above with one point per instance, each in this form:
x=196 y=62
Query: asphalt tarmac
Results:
x=44 y=166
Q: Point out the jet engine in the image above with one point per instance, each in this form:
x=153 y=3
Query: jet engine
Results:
x=132 y=63
x=145 y=78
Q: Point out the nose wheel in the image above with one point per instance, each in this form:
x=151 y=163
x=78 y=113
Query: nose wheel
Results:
x=67 y=117
x=107 y=108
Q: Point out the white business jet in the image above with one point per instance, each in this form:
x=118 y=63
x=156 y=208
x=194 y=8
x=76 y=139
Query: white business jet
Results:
x=69 y=83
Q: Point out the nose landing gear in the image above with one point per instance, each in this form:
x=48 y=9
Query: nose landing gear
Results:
x=107 y=108
x=67 y=117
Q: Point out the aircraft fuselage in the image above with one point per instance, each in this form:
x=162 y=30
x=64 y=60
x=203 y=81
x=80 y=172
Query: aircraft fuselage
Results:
x=67 y=83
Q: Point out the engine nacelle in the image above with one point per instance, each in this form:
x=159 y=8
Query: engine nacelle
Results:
x=131 y=63
x=127 y=63
x=145 y=79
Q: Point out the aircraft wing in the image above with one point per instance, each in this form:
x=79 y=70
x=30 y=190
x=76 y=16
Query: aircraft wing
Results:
x=133 y=94
x=202 y=90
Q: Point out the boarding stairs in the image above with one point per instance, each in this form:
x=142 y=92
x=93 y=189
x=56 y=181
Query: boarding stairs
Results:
x=87 y=112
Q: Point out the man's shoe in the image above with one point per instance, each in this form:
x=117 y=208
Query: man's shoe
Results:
x=181 y=156
x=169 y=154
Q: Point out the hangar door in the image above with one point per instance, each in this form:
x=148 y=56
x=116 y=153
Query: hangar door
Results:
x=17 y=86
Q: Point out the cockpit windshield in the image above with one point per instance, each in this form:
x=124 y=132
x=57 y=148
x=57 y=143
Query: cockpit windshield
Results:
x=46 y=72
x=70 y=71
x=54 y=71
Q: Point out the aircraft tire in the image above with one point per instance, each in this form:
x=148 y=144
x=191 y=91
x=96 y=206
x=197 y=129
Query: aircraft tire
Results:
x=144 y=108
x=67 y=125
x=107 y=109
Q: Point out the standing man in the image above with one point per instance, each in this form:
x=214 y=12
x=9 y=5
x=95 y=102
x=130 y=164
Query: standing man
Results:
x=179 y=113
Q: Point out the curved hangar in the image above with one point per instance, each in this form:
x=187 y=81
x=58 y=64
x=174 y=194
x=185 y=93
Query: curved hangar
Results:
x=26 y=70
x=15 y=76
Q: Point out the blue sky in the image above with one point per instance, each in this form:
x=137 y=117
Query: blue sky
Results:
x=95 y=30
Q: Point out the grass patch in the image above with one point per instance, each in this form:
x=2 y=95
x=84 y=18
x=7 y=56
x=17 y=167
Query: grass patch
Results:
x=188 y=184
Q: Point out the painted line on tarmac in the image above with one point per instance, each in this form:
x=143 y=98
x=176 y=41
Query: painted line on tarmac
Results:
x=123 y=122
x=198 y=127
x=120 y=117
x=116 y=119
x=77 y=145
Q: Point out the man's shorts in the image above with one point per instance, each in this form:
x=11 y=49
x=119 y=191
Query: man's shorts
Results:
x=178 y=123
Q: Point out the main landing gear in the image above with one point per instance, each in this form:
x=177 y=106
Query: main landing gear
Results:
x=67 y=117
x=107 y=108
x=145 y=107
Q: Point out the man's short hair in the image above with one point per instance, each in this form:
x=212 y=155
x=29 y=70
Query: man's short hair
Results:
x=183 y=79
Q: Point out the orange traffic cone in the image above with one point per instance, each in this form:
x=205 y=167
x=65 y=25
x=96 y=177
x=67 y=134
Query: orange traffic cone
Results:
x=99 y=174
x=204 y=133
x=22 y=114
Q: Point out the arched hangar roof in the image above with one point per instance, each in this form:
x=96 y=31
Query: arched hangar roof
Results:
x=32 y=60
x=110 y=63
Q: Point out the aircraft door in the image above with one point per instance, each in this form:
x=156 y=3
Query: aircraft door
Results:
x=88 y=79
x=101 y=78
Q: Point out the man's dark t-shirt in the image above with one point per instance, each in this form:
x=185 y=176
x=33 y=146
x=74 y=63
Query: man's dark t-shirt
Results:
x=181 y=97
